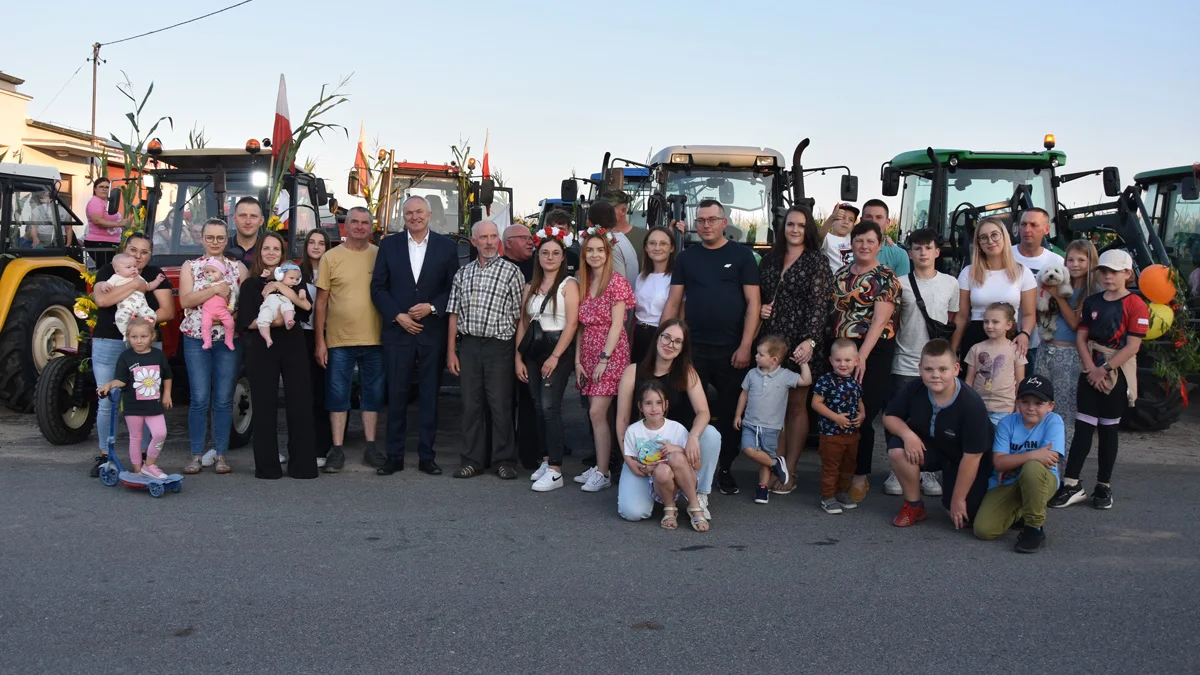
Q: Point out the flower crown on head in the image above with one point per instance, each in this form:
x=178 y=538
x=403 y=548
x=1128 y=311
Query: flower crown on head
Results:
x=597 y=231
x=563 y=235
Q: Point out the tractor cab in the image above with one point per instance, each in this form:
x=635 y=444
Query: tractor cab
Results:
x=1172 y=200
x=950 y=191
x=184 y=188
x=556 y=204
x=455 y=201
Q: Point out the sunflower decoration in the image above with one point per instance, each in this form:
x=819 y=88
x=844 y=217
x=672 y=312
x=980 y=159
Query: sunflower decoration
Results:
x=274 y=224
x=85 y=309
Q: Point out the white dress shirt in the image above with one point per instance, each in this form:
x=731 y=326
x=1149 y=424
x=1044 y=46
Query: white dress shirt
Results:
x=416 y=254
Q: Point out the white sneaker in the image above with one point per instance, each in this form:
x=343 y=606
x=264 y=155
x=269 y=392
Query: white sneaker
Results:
x=891 y=486
x=320 y=462
x=597 y=482
x=930 y=485
x=549 y=480
x=209 y=458
x=537 y=475
x=586 y=475
x=702 y=502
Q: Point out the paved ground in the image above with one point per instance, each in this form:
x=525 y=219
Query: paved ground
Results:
x=357 y=573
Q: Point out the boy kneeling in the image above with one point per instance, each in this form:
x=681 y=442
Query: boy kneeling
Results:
x=1028 y=446
x=941 y=424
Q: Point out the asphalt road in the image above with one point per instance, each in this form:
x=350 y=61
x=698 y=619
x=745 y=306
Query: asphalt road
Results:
x=358 y=573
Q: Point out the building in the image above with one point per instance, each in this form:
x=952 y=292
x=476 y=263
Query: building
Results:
x=71 y=151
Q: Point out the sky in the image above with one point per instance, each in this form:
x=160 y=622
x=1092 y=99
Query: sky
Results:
x=559 y=84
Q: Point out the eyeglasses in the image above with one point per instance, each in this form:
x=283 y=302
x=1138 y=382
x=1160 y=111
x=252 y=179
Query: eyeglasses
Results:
x=215 y=238
x=715 y=220
x=995 y=236
x=521 y=236
x=668 y=341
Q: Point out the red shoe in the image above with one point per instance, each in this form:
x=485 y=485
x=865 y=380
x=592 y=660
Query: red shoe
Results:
x=909 y=515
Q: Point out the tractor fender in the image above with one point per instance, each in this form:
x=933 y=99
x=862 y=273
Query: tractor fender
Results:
x=18 y=268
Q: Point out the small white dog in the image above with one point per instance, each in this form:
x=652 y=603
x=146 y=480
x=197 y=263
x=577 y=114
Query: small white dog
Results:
x=1053 y=280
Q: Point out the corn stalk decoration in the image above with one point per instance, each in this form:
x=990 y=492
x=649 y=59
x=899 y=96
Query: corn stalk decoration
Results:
x=135 y=156
x=310 y=126
x=466 y=168
x=1177 y=353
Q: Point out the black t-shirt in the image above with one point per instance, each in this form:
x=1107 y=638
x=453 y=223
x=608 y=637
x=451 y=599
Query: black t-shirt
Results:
x=712 y=280
x=960 y=428
x=106 y=317
x=1112 y=322
x=143 y=375
x=526 y=267
x=679 y=406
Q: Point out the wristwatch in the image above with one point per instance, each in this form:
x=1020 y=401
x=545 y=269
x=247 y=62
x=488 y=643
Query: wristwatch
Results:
x=1108 y=367
x=812 y=344
x=603 y=356
x=432 y=310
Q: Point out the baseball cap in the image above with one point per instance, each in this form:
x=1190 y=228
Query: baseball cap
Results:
x=1115 y=259
x=1036 y=385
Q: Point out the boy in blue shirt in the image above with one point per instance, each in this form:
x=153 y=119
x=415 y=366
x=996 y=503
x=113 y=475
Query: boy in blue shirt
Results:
x=1025 y=458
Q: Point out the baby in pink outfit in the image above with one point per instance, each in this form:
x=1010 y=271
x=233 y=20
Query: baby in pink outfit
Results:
x=216 y=308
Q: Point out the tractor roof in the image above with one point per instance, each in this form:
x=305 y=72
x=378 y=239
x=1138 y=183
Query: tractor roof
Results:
x=206 y=159
x=29 y=171
x=739 y=156
x=1156 y=175
x=630 y=172
x=553 y=202
x=919 y=159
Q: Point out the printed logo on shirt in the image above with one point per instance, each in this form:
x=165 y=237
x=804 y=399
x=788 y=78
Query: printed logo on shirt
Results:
x=949 y=433
x=1143 y=322
x=728 y=265
x=1095 y=315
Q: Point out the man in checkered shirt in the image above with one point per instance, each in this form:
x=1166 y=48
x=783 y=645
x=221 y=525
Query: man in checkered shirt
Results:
x=485 y=306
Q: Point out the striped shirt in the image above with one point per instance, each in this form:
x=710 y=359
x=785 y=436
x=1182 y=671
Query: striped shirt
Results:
x=487 y=299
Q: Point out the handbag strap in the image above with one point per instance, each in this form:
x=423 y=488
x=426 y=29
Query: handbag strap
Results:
x=545 y=301
x=912 y=278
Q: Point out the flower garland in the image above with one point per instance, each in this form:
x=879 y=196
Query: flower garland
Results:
x=596 y=231
x=564 y=236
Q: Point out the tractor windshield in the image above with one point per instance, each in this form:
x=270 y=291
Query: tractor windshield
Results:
x=988 y=190
x=746 y=195
x=186 y=202
x=1182 y=237
x=441 y=192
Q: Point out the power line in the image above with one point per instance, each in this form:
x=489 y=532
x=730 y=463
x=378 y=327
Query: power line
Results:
x=182 y=23
x=61 y=89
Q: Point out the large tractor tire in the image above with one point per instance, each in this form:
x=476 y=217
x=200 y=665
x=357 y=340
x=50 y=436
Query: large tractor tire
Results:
x=40 y=321
x=61 y=422
x=1156 y=409
x=243 y=412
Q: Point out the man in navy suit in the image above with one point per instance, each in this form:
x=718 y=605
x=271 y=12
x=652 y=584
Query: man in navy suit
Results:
x=410 y=287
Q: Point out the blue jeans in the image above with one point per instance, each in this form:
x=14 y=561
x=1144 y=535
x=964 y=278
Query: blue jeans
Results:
x=105 y=352
x=211 y=377
x=634 y=498
x=761 y=438
x=339 y=373
x=1031 y=359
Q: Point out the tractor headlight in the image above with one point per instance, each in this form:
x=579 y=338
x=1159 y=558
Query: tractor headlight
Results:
x=149 y=181
x=680 y=158
x=764 y=160
x=258 y=179
x=953 y=160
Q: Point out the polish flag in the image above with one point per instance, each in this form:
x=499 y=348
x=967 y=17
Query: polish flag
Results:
x=360 y=160
x=487 y=172
x=281 y=135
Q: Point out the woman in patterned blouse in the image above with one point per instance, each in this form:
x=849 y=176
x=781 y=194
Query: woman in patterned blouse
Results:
x=864 y=303
x=795 y=277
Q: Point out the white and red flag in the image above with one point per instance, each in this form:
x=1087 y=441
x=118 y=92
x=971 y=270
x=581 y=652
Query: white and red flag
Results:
x=487 y=170
x=360 y=161
x=281 y=134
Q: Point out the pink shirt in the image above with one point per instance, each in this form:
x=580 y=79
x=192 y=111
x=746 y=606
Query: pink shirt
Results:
x=98 y=207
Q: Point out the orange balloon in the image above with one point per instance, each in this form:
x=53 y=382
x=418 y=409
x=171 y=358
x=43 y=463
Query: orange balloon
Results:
x=1157 y=284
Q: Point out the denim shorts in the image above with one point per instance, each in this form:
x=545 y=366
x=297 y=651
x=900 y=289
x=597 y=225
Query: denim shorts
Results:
x=339 y=373
x=995 y=417
x=761 y=438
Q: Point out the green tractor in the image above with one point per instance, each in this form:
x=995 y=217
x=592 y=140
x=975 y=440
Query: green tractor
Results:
x=1172 y=199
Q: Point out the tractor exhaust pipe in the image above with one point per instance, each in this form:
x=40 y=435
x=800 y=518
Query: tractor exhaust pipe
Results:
x=798 y=172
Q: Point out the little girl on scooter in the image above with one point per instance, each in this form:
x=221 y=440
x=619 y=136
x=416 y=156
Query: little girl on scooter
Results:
x=145 y=376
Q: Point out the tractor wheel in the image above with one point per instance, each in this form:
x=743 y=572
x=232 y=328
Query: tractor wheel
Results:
x=59 y=420
x=243 y=412
x=40 y=321
x=1156 y=409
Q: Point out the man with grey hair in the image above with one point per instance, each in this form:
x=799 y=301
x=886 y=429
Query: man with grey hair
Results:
x=411 y=287
x=346 y=331
x=485 y=306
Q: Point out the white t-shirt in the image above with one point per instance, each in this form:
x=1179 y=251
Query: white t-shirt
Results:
x=638 y=437
x=996 y=288
x=625 y=260
x=651 y=295
x=837 y=250
x=1035 y=265
x=941 y=297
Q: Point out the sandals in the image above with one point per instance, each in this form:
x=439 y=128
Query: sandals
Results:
x=669 y=520
x=782 y=488
x=193 y=466
x=222 y=465
x=699 y=524
x=466 y=471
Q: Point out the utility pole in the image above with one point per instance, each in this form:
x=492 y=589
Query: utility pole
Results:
x=95 y=68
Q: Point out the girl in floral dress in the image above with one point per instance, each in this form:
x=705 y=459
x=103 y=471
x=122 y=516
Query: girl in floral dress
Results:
x=602 y=348
x=143 y=372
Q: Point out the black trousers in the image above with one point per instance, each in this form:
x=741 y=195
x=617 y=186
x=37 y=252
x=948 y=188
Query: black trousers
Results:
x=714 y=368
x=486 y=382
x=401 y=361
x=642 y=342
x=286 y=358
x=876 y=388
x=547 y=396
x=529 y=449
x=322 y=431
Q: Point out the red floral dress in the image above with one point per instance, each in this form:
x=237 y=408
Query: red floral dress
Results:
x=595 y=319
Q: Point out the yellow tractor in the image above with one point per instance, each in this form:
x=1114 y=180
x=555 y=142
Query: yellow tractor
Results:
x=40 y=278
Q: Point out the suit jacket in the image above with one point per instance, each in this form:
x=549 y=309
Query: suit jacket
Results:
x=393 y=289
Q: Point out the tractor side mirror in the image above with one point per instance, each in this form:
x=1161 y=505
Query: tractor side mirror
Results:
x=353 y=184
x=725 y=192
x=1112 y=181
x=487 y=191
x=322 y=193
x=569 y=191
x=114 y=202
x=333 y=205
x=850 y=188
x=614 y=181
x=1190 y=189
x=891 y=182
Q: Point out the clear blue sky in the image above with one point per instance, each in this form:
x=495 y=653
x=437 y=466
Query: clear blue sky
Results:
x=559 y=84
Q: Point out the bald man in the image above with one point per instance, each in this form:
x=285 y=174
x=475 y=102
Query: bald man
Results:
x=518 y=249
